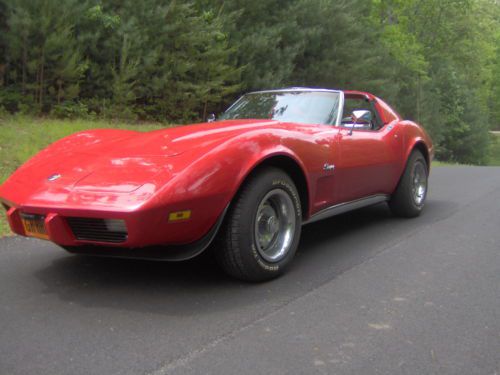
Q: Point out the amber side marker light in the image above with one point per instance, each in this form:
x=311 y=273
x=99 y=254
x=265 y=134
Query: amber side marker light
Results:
x=179 y=215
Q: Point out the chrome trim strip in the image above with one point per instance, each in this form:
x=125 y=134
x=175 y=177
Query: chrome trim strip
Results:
x=300 y=89
x=347 y=206
x=340 y=112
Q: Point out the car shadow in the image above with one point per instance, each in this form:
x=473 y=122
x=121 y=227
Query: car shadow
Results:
x=327 y=249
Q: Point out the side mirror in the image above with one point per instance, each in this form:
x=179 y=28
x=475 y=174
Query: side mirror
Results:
x=360 y=116
x=211 y=117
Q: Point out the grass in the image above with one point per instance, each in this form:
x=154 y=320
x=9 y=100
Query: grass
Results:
x=22 y=137
x=437 y=163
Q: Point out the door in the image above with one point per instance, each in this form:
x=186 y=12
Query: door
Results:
x=369 y=155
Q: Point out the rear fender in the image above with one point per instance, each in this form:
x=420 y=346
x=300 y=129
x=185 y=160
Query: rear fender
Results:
x=420 y=145
x=415 y=138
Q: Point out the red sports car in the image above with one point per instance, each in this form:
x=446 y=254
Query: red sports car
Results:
x=274 y=161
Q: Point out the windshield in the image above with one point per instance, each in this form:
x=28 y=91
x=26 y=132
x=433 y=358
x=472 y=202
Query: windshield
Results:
x=307 y=107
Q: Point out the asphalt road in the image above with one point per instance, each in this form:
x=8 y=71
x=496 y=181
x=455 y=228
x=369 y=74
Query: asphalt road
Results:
x=368 y=294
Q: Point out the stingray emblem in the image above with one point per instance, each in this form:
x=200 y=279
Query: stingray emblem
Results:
x=54 y=177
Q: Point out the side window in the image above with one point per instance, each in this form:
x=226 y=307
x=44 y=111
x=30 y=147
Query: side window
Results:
x=360 y=103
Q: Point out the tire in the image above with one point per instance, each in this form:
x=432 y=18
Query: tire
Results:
x=261 y=231
x=409 y=198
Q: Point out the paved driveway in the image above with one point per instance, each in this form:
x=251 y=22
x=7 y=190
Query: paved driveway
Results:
x=368 y=294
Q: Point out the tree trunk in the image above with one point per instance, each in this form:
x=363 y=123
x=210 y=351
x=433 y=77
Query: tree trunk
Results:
x=419 y=92
x=42 y=83
x=59 y=91
x=25 y=59
x=205 y=111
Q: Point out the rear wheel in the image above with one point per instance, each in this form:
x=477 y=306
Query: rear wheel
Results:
x=262 y=229
x=409 y=198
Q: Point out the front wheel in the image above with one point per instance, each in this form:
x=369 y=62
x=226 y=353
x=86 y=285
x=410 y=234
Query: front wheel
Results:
x=409 y=198
x=262 y=229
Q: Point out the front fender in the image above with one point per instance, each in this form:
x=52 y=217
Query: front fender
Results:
x=208 y=182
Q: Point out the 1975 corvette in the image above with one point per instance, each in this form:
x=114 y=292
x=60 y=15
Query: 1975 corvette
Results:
x=245 y=184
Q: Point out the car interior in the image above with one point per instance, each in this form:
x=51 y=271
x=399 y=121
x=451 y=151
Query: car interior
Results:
x=358 y=103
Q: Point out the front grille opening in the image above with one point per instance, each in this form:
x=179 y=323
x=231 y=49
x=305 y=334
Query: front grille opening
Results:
x=98 y=230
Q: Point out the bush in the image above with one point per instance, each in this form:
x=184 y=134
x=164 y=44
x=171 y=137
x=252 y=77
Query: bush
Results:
x=3 y=112
x=108 y=110
x=71 y=110
x=13 y=101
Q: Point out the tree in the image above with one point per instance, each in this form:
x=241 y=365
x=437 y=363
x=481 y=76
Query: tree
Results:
x=266 y=39
x=339 y=52
x=3 y=42
x=165 y=61
x=437 y=61
x=43 y=58
x=439 y=49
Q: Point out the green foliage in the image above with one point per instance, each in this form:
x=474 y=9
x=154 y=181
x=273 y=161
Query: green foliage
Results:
x=266 y=38
x=71 y=110
x=339 y=52
x=43 y=59
x=159 y=60
x=491 y=21
x=494 y=156
x=3 y=41
x=437 y=61
x=443 y=59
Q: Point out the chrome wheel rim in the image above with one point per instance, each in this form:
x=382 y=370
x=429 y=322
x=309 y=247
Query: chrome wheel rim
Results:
x=275 y=225
x=419 y=183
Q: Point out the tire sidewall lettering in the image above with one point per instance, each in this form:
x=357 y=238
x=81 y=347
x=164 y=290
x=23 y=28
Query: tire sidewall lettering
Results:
x=290 y=190
x=261 y=263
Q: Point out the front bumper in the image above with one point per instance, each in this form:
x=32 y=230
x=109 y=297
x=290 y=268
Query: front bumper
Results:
x=144 y=228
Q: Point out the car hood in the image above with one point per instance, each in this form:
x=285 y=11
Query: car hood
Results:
x=121 y=161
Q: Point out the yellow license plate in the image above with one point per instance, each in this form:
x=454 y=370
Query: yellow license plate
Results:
x=34 y=226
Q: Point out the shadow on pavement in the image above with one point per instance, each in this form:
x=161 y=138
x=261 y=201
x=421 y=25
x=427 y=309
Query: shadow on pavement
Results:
x=327 y=249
